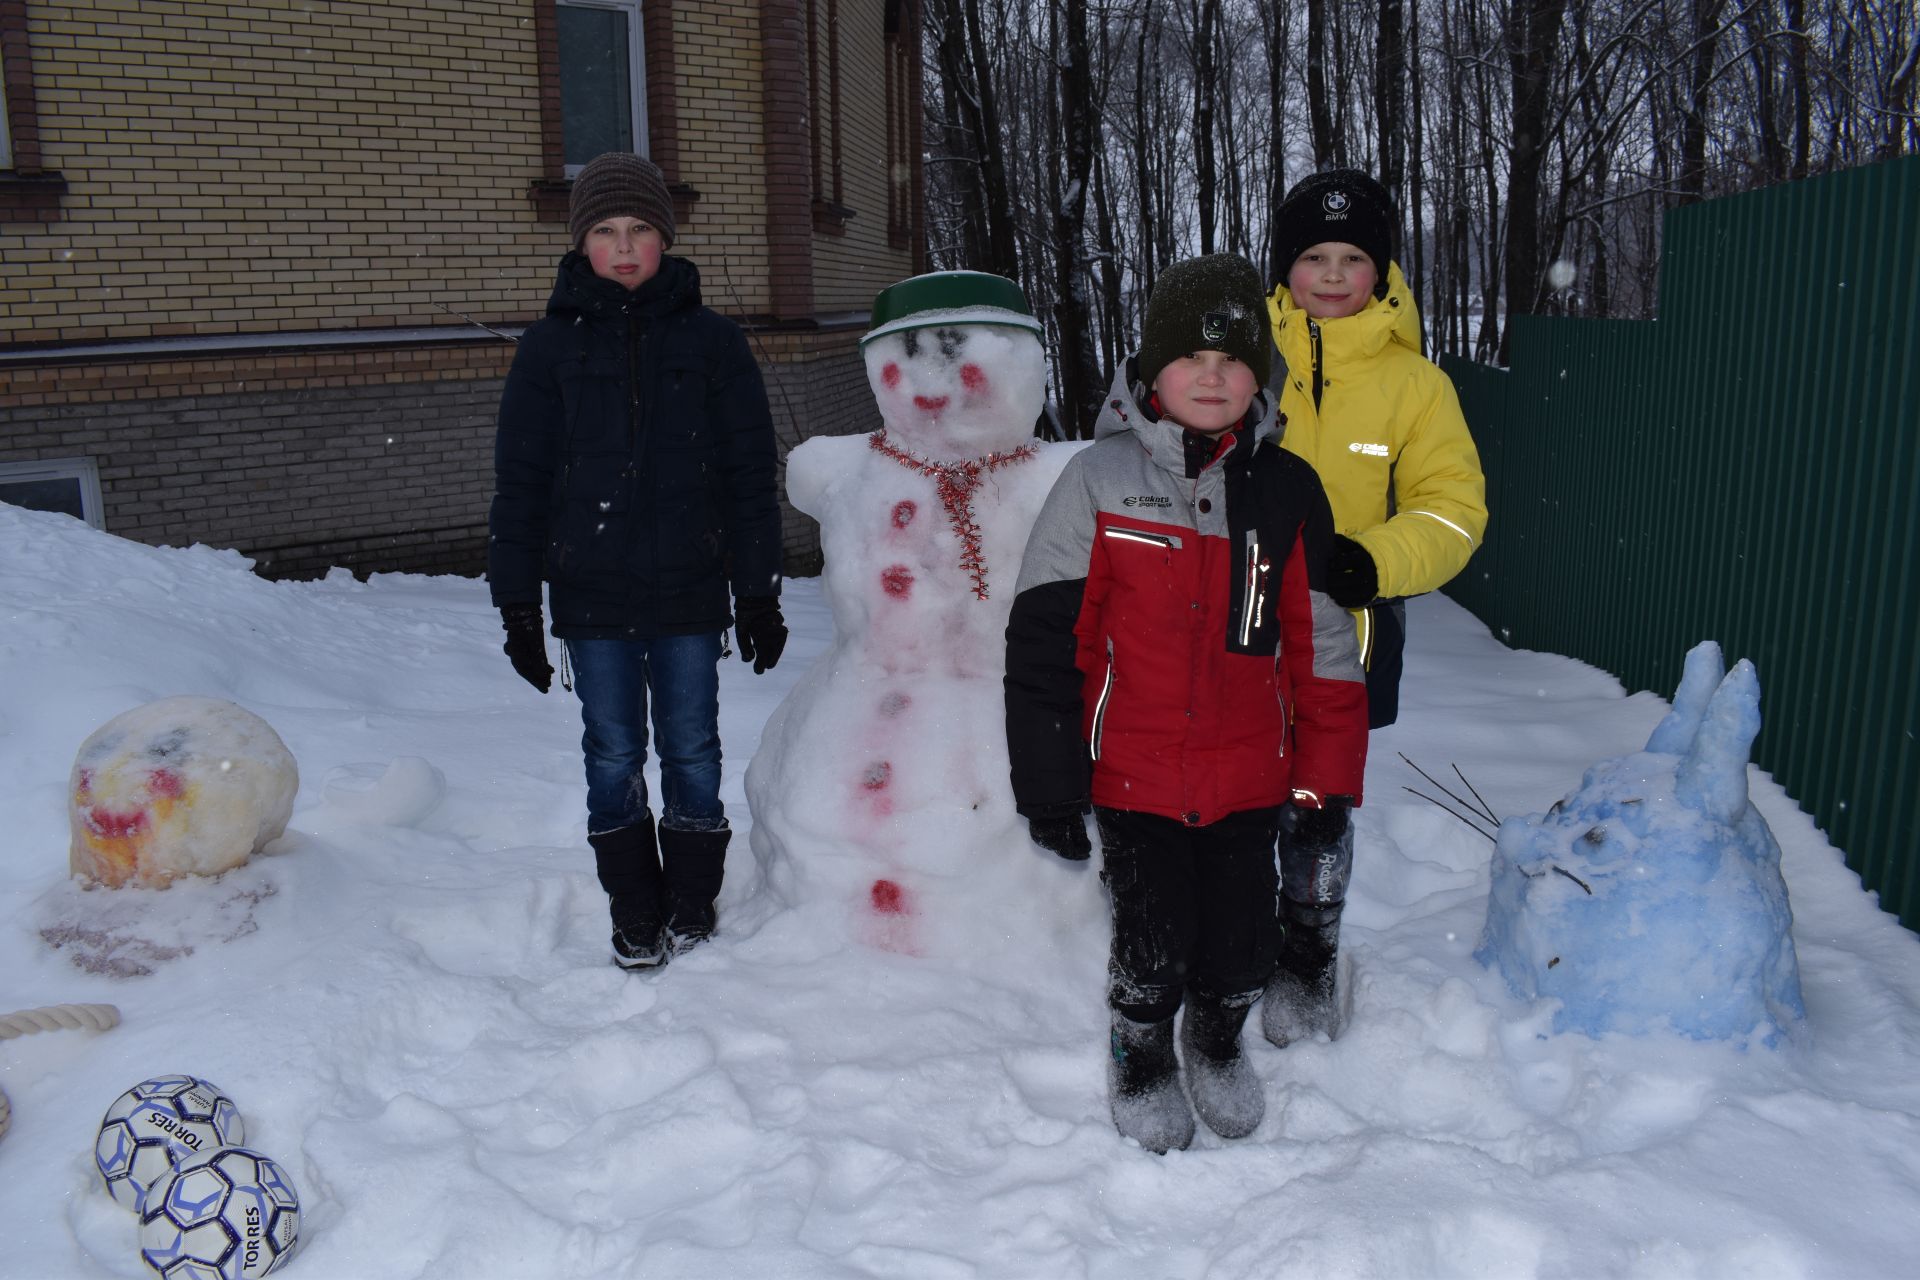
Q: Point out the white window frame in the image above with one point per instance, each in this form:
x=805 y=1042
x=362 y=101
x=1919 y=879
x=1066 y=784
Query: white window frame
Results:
x=636 y=62
x=85 y=470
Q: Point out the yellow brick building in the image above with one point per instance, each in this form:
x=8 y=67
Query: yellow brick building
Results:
x=260 y=263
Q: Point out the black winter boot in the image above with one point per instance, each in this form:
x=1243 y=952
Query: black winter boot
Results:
x=629 y=864
x=1225 y=1090
x=695 y=862
x=1300 y=999
x=1143 y=1086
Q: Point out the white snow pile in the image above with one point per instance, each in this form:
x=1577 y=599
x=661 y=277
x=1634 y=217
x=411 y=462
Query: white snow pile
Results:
x=411 y=993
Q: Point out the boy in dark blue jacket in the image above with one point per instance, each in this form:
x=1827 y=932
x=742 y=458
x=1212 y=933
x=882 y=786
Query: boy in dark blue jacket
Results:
x=634 y=475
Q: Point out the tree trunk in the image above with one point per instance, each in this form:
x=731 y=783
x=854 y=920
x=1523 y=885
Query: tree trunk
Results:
x=1319 y=113
x=962 y=171
x=1079 y=378
x=1798 y=96
x=1142 y=147
x=1390 y=100
x=1693 y=123
x=1206 y=87
x=1273 y=31
x=1531 y=38
x=1003 y=258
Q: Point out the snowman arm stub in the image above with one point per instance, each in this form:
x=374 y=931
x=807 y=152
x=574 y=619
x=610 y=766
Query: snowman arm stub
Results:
x=1046 y=748
x=737 y=400
x=815 y=465
x=526 y=443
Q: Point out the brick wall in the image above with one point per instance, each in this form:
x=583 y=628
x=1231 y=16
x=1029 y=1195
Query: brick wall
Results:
x=852 y=266
x=720 y=126
x=369 y=460
x=281 y=166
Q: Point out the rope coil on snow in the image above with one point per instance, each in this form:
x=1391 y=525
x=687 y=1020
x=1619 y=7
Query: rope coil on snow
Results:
x=70 y=1017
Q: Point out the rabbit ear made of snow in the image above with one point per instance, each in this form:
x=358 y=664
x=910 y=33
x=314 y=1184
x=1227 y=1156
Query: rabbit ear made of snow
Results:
x=1712 y=777
x=1702 y=675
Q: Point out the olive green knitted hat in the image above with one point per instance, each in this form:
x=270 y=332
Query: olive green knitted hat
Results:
x=1211 y=303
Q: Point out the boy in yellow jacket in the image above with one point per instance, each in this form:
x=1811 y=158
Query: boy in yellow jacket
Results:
x=1382 y=426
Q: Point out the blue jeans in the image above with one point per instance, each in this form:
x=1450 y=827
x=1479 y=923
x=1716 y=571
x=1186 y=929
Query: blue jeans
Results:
x=613 y=678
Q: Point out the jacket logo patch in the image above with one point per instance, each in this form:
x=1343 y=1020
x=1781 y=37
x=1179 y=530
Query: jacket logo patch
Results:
x=1146 y=500
x=1371 y=450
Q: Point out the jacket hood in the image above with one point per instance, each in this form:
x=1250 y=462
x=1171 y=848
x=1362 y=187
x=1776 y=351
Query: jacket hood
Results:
x=1124 y=410
x=1393 y=318
x=578 y=291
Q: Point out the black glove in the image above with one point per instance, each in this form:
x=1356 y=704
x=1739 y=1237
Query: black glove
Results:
x=761 y=631
x=1064 y=835
x=526 y=645
x=1352 y=579
x=1321 y=828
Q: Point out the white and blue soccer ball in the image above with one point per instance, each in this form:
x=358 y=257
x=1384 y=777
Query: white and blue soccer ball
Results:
x=154 y=1126
x=230 y=1214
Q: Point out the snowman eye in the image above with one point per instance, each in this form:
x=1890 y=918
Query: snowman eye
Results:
x=950 y=340
x=910 y=342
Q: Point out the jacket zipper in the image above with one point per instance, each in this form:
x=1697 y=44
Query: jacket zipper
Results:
x=1313 y=334
x=633 y=384
x=1286 y=712
x=1255 y=596
x=1100 y=707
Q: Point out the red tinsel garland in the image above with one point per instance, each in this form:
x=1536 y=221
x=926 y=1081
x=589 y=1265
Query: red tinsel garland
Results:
x=955 y=483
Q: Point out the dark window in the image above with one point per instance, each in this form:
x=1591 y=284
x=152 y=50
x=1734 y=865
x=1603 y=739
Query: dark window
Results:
x=70 y=486
x=602 y=79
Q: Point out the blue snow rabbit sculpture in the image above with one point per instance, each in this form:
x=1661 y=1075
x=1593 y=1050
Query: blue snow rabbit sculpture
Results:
x=1651 y=899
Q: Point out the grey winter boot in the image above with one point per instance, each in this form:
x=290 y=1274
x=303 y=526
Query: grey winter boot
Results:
x=1300 y=999
x=695 y=862
x=1225 y=1090
x=1143 y=1086
x=628 y=860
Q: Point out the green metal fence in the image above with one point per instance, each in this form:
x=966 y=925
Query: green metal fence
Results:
x=1743 y=469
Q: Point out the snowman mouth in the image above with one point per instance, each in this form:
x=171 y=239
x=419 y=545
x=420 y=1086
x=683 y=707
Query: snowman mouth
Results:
x=930 y=404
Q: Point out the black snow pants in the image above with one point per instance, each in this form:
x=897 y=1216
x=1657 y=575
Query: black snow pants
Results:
x=1384 y=658
x=1191 y=906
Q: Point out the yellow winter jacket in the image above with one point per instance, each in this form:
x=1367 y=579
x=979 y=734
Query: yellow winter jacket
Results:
x=1387 y=427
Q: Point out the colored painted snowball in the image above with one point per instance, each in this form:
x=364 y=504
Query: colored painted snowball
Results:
x=182 y=786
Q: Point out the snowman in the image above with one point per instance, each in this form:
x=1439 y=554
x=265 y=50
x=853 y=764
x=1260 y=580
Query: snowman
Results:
x=880 y=787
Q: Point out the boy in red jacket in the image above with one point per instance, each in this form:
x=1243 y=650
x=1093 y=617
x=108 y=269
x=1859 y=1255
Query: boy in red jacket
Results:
x=1172 y=631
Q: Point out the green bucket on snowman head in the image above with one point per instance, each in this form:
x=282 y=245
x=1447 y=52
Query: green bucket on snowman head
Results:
x=943 y=298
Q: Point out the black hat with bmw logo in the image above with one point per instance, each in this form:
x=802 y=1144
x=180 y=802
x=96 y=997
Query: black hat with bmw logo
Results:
x=1344 y=205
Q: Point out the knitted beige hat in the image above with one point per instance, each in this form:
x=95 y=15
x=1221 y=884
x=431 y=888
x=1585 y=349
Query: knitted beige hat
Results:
x=617 y=184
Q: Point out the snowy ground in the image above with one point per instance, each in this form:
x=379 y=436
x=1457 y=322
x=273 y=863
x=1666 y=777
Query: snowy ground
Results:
x=416 y=1015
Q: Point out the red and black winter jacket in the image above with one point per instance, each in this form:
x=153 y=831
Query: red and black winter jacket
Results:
x=1171 y=648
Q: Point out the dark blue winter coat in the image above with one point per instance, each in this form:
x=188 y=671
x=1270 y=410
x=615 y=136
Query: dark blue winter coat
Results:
x=634 y=465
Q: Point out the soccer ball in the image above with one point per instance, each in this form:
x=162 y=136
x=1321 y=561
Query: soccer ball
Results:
x=229 y=1214
x=157 y=1124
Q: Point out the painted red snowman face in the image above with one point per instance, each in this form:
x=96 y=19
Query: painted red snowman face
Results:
x=952 y=392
